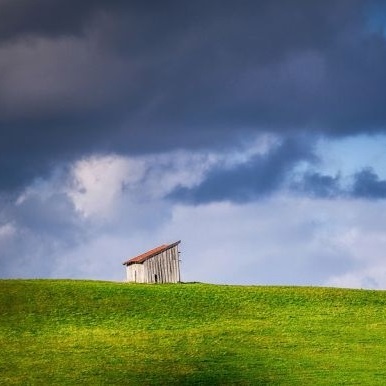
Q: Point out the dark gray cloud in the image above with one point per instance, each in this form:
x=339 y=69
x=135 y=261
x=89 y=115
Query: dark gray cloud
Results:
x=319 y=185
x=265 y=174
x=19 y=18
x=261 y=175
x=367 y=184
x=133 y=77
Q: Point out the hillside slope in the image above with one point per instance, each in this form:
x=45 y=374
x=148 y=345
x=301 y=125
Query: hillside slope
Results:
x=83 y=332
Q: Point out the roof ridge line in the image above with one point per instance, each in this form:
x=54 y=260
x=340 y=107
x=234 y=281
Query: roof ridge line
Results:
x=152 y=252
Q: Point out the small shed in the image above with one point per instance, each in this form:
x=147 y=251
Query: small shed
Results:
x=159 y=265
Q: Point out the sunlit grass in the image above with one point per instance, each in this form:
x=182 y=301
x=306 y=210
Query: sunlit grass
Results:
x=83 y=332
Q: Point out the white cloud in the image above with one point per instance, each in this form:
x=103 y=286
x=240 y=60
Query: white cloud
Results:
x=283 y=240
x=98 y=183
x=103 y=184
x=110 y=208
x=7 y=231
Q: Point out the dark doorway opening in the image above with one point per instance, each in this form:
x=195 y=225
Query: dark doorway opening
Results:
x=155 y=278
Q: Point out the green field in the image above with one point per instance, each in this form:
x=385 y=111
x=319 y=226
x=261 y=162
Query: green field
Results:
x=58 y=332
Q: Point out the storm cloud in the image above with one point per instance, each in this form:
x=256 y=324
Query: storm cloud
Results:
x=368 y=185
x=135 y=77
x=259 y=176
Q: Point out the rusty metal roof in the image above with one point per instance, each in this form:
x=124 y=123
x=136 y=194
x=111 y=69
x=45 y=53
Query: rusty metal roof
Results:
x=153 y=252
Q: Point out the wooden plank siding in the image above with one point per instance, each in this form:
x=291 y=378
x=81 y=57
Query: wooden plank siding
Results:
x=160 y=265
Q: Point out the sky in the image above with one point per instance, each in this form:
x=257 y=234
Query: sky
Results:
x=253 y=131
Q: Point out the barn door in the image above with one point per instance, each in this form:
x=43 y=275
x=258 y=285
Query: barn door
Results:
x=155 y=278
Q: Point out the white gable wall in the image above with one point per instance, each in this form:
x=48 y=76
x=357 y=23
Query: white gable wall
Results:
x=135 y=273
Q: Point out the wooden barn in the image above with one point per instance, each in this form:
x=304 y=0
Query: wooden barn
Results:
x=159 y=265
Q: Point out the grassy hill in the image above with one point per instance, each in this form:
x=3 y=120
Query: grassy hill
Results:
x=62 y=332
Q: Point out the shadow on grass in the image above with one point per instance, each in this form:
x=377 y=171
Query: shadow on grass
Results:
x=216 y=372
x=210 y=369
